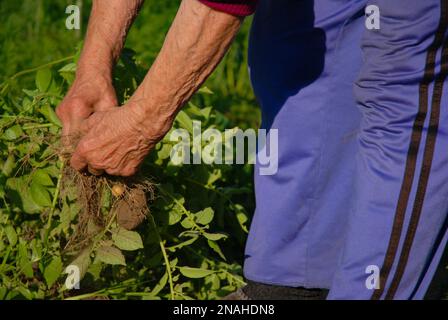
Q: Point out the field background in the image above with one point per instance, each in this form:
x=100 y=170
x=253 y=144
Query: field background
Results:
x=192 y=246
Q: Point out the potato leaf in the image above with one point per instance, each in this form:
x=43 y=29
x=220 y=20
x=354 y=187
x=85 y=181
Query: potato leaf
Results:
x=24 y=261
x=174 y=216
x=53 y=271
x=110 y=255
x=216 y=248
x=19 y=192
x=194 y=273
x=43 y=79
x=214 y=236
x=9 y=165
x=48 y=112
x=42 y=178
x=185 y=121
x=187 y=223
x=127 y=240
x=82 y=262
x=13 y=133
x=205 y=216
x=40 y=194
x=11 y=235
x=160 y=285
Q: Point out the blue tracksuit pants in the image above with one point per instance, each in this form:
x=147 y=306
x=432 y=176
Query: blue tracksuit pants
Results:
x=360 y=200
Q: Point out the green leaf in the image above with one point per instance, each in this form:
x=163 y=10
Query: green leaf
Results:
x=206 y=112
x=205 y=216
x=19 y=192
x=205 y=90
x=53 y=271
x=95 y=270
x=71 y=67
x=187 y=223
x=173 y=263
x=42 y=177
x=127 y=240
x=11 y=235
x=28 y=148
x=216 y=248
x=25 y=292
x=183 y=244
x=24 y=262
x=110 y=255
x=174 y=217
x=164 y=152
x=31 y=93
x=185 y=121
x=214 y=282
x=48 y=112
x=9 y=165
x=82 y=262
x=13 y=133
x=40 y=194
x=242 y=219
x=194 y=273
x=3 y=292
x=160 y=285
x=214 y=236
x=43 y=79
x=214 y=176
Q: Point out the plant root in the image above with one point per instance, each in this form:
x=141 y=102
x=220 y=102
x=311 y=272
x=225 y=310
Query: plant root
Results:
x=102 y=198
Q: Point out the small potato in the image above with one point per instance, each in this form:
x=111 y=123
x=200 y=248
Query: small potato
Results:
x=117 y=190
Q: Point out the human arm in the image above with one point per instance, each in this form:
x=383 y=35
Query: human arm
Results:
x=118 y=141
x=92 y=89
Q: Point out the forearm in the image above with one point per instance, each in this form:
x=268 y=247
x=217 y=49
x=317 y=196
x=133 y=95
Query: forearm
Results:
x=196 y=42
x=108 y=25
x=92 y=89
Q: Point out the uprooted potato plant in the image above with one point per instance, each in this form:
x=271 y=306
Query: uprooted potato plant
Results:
x=170 y=232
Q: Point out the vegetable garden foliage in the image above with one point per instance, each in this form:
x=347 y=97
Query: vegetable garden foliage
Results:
x=190 y=247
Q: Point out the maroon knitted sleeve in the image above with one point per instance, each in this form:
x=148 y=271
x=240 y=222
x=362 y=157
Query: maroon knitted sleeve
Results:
x=235 y=7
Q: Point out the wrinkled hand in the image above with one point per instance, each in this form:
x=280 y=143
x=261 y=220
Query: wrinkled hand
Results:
x=117 y=141
x=89 y=93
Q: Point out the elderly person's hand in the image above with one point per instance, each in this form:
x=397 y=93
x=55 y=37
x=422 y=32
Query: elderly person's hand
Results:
x=116 y=141
x=92 y=90
x=89 y=93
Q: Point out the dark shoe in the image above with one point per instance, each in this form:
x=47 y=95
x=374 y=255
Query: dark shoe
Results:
x=237 y=295
x=260 y=291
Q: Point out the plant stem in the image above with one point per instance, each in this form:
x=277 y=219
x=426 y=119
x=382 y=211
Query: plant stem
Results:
x=5 y=258
x=188 y=214
x=45 y=125
x=55 y=196
x=46 y=65
x=165 y=257
x=106 y=291
x=208 y=260
x=104 y=231
x=87 y=295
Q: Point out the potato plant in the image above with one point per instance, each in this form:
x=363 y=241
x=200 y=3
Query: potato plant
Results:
x=189 y=247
